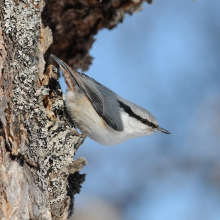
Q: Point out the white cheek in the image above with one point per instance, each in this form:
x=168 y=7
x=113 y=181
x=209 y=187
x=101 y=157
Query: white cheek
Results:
x=134 y=127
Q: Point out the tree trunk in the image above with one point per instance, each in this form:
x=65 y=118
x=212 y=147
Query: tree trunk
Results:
x=38 y=176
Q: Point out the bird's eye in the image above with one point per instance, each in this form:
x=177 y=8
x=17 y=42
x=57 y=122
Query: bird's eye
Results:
x=143 y=121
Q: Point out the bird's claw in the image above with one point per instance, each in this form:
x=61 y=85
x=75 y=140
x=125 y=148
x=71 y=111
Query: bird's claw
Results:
x=81 y=138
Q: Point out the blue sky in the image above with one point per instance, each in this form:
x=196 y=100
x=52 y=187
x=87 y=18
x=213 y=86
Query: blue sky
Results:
x=165 y=59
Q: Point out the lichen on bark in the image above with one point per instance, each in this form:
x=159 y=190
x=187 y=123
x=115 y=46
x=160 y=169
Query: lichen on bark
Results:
x=34 y=148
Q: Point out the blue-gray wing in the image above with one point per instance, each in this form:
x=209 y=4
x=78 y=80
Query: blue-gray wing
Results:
x=91 y=88
x=102 y=99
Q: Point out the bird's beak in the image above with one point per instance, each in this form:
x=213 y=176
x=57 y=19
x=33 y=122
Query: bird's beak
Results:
x=161 y=130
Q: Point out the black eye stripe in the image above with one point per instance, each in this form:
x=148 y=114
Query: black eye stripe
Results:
x=128 y=110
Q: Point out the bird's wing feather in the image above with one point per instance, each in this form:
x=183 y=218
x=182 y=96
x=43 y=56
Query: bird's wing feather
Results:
x=89 y=87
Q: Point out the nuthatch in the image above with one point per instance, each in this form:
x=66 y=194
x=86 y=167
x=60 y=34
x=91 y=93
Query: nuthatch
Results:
x=100 y=113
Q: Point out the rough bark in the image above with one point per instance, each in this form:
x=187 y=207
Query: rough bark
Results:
x=36 y=146
x=74 y=24
x=38 y=176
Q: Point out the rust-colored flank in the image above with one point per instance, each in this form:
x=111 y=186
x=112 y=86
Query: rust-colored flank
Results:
x=69 y=81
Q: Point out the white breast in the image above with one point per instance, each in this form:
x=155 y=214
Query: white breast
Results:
x=87 y=120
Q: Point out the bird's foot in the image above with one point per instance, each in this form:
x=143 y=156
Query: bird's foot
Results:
x=82 y=137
